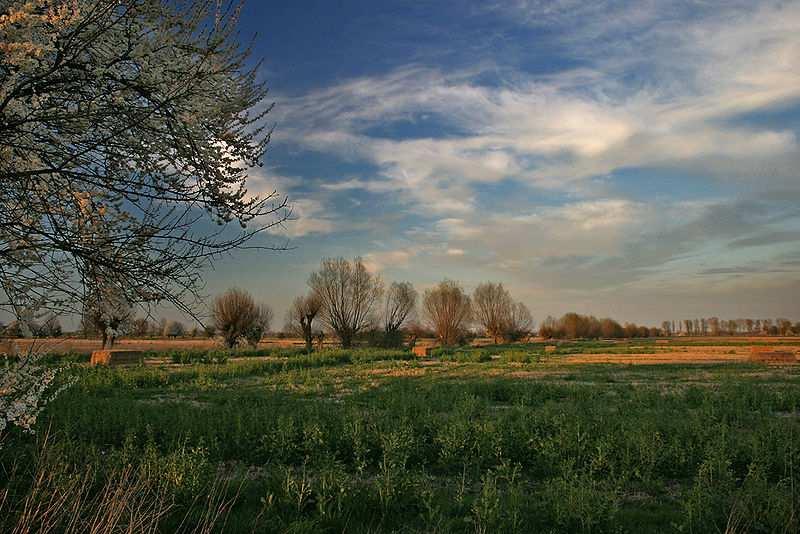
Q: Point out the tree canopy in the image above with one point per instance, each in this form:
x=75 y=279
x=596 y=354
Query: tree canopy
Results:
x=127 y=130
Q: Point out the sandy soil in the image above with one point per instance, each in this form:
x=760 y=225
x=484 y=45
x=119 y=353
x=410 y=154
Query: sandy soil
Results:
x=705 y=354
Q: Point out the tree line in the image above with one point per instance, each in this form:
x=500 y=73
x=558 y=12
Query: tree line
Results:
x=576 y=326
x=347 y=301
x=714 y=326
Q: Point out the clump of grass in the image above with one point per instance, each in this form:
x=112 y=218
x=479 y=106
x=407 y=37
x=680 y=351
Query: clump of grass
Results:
x=111 y=497
x=520 y=356
x=198 y=356
x=465 y=356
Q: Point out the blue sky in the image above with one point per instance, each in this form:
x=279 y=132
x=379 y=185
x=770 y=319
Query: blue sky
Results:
x=632 y=159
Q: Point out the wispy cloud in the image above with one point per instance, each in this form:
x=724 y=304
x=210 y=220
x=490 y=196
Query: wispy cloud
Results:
x=650 y=85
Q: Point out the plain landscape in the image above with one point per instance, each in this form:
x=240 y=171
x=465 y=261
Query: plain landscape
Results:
x=663 y=435
x=462 y=267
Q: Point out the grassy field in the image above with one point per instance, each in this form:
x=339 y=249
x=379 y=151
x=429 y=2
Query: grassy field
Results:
x=492 y=439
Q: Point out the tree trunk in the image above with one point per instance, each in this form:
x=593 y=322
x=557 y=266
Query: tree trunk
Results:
x=309 y=337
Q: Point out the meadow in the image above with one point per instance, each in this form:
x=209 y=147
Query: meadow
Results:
x=516 y=438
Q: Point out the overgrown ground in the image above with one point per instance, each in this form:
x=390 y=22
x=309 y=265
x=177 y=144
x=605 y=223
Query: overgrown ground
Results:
x=499 y=439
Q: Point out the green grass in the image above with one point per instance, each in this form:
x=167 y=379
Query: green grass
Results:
x=497 y=439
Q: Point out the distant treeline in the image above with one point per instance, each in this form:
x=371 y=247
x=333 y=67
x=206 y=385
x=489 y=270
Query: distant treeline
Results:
x=574 y=326
x=714 y=326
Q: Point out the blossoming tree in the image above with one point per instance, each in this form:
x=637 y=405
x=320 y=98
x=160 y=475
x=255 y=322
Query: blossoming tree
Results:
x=127 y=130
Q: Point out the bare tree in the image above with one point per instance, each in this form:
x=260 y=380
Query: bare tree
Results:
x=401 y=299
x=260 y=326
x=611 y=329
x=141 y=327
x=348 y=294
x=448 y=311
x=498 y=314
x=107 y=312
x=784 y=326
x=300 y=318
x=123 y=125
x=520 y=324
x=173 y=329
x=237 y=317
x=666 y=328
x=51 y=327
x=491 y=307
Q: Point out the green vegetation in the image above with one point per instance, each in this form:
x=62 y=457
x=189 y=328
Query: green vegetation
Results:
x=495 y=439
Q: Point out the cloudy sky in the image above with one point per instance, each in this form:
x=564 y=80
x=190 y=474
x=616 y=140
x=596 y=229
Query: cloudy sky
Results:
x=633 y=159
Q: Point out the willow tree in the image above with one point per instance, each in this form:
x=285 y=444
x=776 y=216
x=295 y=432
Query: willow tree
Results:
x=448 y=311
x=401 y=299
x=238 y=318
x=127 y=131
x=348 y=294
x=300 y=318
x=498 y=314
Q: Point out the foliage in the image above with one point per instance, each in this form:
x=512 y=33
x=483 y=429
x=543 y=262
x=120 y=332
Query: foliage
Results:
x=26 y=386
x=123 y=125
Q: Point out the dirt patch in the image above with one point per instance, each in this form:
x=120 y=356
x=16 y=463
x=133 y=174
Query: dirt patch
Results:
x=692 y=355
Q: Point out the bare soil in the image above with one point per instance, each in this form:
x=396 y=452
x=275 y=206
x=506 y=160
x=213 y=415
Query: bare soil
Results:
x=700 y=354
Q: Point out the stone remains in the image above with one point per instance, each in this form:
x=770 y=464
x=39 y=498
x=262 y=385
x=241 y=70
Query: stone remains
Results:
x=116 y=357
x=770 y=355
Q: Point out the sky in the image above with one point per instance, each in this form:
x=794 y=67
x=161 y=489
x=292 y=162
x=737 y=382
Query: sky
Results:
x=639 y=160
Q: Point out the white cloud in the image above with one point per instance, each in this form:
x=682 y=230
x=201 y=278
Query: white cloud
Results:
x=558 y=130
x=378 y=261
x=656 y=88
x=307 y=215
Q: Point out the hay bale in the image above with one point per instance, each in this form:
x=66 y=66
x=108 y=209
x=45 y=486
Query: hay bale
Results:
x=422 y=350
x=116 y=357
x=769 y=355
